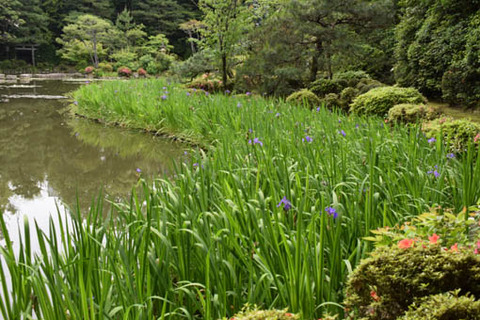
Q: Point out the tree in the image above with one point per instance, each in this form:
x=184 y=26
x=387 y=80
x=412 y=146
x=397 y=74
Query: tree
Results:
x=226 y=22
x=331 y=27
x=90 y=31
x=9 y=20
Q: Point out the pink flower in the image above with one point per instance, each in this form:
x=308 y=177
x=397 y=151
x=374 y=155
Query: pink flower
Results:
x=454 y=248
x=434 y=238
x=406 y=243
x=477 y=137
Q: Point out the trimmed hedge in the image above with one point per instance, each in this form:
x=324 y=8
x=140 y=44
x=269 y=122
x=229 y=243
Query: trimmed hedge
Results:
x=366 y=85
x=351 y=78
x=456 y=133
x=385 y=285
x=446 y=306
x=411 y=113
x=305 y=97
x=379 y=101
x=322 y=87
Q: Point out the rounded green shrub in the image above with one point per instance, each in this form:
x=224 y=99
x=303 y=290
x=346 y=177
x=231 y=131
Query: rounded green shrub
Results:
x=253 y=313
x=351 y=78
x=366 y=85
x=385 y=285
x=444 y=306
x=412 y=113
x=379 y=101
x=105 y=67
x=348 y=94
x=322 y=87
x=332 y=100
x=457 y=133
x=305 y=97
x=206 y=82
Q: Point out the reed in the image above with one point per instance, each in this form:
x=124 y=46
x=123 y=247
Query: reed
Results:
x=216 y=235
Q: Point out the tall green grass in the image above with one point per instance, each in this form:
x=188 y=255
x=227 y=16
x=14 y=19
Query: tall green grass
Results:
x=201 y=244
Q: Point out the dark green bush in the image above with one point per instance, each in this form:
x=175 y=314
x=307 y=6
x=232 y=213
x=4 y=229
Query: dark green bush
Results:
x=412 y=113
x=351 y=78
x=456 y=133
x=446 y=306
x=385 y=285
x=348 y=94
x=305 y=97
x=366 y=85
x=379 y=100
x=461 y=85
x=332 y=100
x=322 y=87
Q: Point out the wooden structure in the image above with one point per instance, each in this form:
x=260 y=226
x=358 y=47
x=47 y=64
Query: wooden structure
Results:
x=28 y=47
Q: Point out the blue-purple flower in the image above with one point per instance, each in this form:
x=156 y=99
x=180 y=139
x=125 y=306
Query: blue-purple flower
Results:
x=188 y=94
x=331 y=211
x=342 y=133
x=248 y=94
x=138 y=170
x=451 y=156
x=434 y=172
x=239 y=105
x=277 y=114
x=432 y=140
x=307 y=138
x=164 y=97
x=318 y=109
x=256 y=141
x=227 y=91
x=287 y=205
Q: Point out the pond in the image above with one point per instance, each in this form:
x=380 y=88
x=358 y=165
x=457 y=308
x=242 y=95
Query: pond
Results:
x=49 y=159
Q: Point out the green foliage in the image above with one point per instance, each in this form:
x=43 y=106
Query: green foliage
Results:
x=105 y=67
x=351 y=78
x=412 y=113
x=207 y=82
x=365 y=85
x=461 y=85
x=348 y=94
x=458 y=134
x=379 y=101
x=305 y=97
x=126 y=58
x=322 y=87
x=253 y=313
x=332 y=100
x=385 y=285
x=444 y=306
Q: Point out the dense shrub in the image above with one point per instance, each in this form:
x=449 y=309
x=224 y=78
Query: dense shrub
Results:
x=206 y=82
x=249 y=313
x=89 y=70
x=105 y=67
x=305 y=97
x=456 y=133
x=412 y=113
x=141 y=72
x=348 y=94
x=461 y=85
x=379 y=100
x=332 y=100
x=366 y=85
x=385 y=285
x=125 y=58
x=322 y=87
x=446 y=306
x=124 y=72
x=351 y=78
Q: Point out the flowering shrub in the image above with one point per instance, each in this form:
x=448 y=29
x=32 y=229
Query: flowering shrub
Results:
x=206 y=82
x=141 y=72
x=89 y=70
x=385 y=285
x=457 y=133
x=124 y=72
x=305 y=97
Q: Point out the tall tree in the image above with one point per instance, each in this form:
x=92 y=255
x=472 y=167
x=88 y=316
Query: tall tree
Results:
x=10 y=20
x=227 y=22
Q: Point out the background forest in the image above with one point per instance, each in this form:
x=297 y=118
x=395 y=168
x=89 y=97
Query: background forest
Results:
x=272 y=47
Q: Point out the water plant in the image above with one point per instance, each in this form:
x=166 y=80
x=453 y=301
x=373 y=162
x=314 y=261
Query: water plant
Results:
x=259 y=214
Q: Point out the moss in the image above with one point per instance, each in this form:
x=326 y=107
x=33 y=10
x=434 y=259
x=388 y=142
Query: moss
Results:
x=385 y=285
x=446 y=306
x=458 y=134
x=305 y=97
x=379 y=101
x=412 y=113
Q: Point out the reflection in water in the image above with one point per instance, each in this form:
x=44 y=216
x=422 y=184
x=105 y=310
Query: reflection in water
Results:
x=46 y=157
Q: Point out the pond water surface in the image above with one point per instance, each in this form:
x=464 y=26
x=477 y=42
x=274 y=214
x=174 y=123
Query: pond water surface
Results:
x=48 y=159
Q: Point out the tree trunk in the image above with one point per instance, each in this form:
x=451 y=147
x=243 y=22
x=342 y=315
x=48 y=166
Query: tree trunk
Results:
x=314 y=67
x=95 y=54
x=224 y=70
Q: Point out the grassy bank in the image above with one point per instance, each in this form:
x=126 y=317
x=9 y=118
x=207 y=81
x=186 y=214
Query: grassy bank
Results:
x=272 y=211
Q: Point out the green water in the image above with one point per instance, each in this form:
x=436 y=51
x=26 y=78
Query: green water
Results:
x=47 y=158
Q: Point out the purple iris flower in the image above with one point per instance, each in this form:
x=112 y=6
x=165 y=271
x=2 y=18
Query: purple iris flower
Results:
x=451 y=156
x=188 y=94
x=256 y=141
x=432 y=140
x=287 y=205
x=308 y=139
x=248 y=93
x=227 y=91
x=239 y=105
x=342 y=133
x=277 y=114
x=164 y=97
x=318 y=109
x=331 y=211
x=138 y=170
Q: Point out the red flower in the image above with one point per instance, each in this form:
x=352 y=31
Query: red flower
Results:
x=434 y=238
x=374 y=295
x=406 y=243
x=454 y=248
